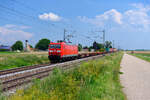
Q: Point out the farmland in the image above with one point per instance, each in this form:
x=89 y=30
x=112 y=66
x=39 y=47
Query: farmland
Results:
x=93 y=80
x=139 y=52
x=13 y=60
x=143 y=55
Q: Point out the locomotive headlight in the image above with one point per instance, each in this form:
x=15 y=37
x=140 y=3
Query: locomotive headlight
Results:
x=50 y=50
x=58 y=51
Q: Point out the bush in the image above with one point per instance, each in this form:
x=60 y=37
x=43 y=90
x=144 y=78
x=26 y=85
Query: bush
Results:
x=42 y=44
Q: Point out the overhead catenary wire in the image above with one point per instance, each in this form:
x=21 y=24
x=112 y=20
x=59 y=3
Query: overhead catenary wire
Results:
x=25 y=5
x=27 y=17
x=10 y=20
x=21 y=15
x=33 y=18
x=30 y=17
x=35 y=10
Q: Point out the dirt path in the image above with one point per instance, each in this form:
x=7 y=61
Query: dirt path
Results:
x=136 y=78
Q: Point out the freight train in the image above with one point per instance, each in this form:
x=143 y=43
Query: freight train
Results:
x=62 y=51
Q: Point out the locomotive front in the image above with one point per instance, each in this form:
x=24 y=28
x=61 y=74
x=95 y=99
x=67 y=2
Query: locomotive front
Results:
x=54 y=51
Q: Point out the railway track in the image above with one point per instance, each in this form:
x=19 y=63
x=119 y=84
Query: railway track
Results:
x=8 y=71
x=13 y=78
x=4 y=72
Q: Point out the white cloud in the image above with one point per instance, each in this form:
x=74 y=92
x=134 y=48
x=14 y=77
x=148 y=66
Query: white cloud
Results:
x=50 y=16
x=11 y=33
x=111 y=15
x=137 y=17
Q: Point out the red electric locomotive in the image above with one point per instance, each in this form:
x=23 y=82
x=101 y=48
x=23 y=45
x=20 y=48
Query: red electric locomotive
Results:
x=62 y=51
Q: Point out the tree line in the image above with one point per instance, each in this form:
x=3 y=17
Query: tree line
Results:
x=96 y=46
x=43 y=45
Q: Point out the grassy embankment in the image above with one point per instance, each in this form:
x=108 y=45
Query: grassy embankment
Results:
x=93 y=80
x=144 y=56
x=12 y=60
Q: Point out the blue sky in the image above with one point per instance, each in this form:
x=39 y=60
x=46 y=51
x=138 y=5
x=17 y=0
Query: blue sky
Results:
x=127 y=22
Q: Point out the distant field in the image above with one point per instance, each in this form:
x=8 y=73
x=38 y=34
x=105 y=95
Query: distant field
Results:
x=139 y=52
x=12 y=59
x=143 y=55
x=92 y=80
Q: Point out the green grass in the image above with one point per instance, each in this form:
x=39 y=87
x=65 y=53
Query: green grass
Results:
x=13 y=60
x=93 y=80
x=142 y=56
x=7 y=52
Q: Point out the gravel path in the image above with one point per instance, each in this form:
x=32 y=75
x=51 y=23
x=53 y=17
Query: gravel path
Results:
x=136 y=78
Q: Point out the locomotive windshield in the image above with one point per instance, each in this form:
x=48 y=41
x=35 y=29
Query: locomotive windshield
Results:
x=55 y=46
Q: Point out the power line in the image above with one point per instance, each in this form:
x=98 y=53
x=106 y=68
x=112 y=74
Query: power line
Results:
x=103 y=31
x=29 y=7
x=6 y=19
x=87 y=37
x=21 y=14
x=16 y=12
x=113 y=43
x=10 y=20
x=64 y=35
x=25 y=5
x=33 y=9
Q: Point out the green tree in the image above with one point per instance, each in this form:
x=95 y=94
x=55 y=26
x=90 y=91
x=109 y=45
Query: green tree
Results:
x=108 y=44
x=79 y=47
x=100 y=46
x=17 y=46
x=42 y=44
x=97 y=46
